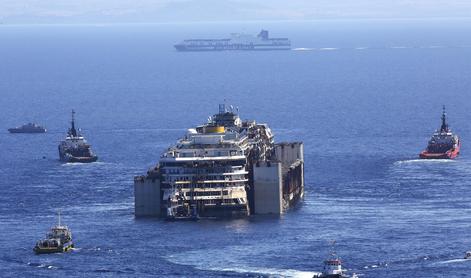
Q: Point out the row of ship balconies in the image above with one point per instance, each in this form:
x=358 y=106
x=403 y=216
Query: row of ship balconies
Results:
x=231 y=170
x=204 y=179
x=199 y=153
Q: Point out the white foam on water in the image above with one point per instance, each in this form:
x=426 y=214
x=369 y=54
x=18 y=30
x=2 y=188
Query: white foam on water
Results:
x=51 y=267
x=424 y=161
x=100 y=207
x=361 y=48
x=455 y=261
x=303 y=49
x=219 y=260
x=400 y=47
x=433 y=46
x=328 y=48
x=270 y=271
x=70 y=164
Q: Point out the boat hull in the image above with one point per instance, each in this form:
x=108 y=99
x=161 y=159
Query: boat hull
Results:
x=49 y=250
x=185 y=48
x=68 y=158
x=15 y=130
x=450 y=154
x=74 y=159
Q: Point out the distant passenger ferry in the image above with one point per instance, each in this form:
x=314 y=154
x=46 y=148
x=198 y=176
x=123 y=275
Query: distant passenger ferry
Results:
x=236 y=42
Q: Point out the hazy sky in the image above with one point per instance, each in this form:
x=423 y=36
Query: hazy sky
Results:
x=108 y=11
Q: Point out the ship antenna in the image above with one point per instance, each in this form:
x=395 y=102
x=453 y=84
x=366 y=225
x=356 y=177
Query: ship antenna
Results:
x=444 y=124
x=73 y=130
x=332 y=248
x=59 y=218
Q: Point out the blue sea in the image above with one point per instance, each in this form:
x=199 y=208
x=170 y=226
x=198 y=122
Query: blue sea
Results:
x=364 y=96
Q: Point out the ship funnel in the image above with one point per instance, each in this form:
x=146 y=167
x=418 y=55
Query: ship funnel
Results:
x=263 y=35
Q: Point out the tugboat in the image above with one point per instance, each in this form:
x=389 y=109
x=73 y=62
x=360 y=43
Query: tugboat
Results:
x=333 y=268
x=443 y=144
x=75 y=148
x=58 y=240
x=28 y=128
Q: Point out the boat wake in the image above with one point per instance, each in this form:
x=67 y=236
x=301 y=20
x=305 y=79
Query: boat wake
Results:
x=424 y=161
x=224 y=264
x=100 y=207
x=315 y=49
x=97 y=163
x=455 y=261
x=39 y=265
x=303 y=49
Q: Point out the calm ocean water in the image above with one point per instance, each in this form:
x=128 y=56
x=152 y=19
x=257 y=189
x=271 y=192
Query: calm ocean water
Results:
x=363 y=96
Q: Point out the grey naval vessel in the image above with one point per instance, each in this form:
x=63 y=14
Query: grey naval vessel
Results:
x=226 y=167
x=237 y=41
x=75 y=149
x=28 y=128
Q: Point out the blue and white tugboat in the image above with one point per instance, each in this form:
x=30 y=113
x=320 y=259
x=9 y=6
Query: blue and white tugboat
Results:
x=58 y=240
x=74 y=148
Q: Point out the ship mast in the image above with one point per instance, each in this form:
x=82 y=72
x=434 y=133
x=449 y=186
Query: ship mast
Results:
x=59 y=218
x=444 y=127
x=73 y=131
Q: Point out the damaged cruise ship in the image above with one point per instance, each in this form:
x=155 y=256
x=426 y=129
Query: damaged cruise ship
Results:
x=226 y=167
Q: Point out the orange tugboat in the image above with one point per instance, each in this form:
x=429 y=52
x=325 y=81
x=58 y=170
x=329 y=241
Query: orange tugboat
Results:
x=443 y=144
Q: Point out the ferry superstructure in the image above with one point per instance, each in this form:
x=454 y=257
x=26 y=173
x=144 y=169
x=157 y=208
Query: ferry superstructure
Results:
x=237 y=41
x=210 y=172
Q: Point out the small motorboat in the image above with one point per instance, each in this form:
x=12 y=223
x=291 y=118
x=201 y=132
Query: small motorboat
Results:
x=467 y=255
